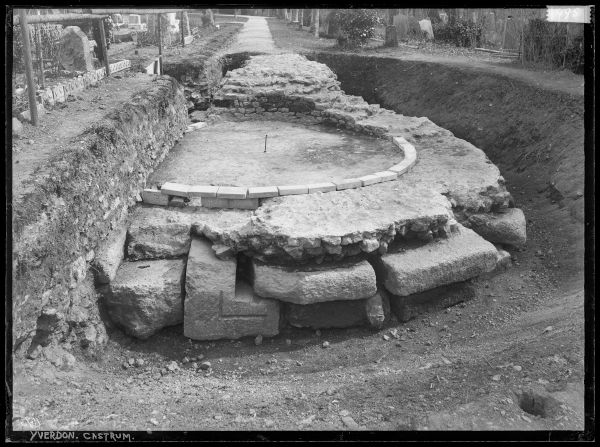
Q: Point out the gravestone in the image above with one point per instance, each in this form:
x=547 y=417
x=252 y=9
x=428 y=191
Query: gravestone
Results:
x=426 y=27
x=74 y=50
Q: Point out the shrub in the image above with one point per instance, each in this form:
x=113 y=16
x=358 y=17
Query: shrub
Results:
x=548 y=44
x=356 y=26
x=462 y=33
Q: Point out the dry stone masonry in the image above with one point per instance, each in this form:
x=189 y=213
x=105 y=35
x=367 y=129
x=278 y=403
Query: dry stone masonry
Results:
x=239 y=260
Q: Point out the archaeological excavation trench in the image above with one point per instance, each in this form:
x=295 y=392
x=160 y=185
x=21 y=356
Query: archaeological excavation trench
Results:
x=346 y=214
x=286 y=202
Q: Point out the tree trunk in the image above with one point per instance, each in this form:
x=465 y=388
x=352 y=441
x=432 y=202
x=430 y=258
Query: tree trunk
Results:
x=315 y=23
x=295 y=16
x=301 y=19
x=211 y=21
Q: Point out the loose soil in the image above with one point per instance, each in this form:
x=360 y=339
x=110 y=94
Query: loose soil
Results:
x=233 y=153
x=450 y=370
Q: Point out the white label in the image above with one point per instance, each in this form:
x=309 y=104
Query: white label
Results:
x=568 y=14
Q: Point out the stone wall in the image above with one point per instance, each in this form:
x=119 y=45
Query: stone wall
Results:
x=58 y=227
x=199 y=73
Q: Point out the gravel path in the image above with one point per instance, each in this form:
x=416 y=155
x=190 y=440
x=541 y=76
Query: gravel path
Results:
x=254 y=37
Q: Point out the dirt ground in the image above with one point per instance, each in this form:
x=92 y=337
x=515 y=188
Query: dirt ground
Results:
x=233 y=153
x=456 y=369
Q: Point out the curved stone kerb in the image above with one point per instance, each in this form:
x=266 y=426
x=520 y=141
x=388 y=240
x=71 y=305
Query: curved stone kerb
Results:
x=229 y=192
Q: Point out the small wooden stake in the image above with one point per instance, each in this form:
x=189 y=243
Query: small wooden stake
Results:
x=266 y=144
x=33 y=111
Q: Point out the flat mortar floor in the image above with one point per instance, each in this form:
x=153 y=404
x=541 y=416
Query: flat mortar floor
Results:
x=232 y=153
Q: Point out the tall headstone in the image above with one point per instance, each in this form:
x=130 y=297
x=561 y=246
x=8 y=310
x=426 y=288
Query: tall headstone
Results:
x=74 y=50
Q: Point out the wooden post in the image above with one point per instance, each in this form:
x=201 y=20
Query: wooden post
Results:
x=301 y=19
x=504 y=30
x=38 y=44
x=33 y=111
x=103 y=45
x=159 y=45
x=182 y=26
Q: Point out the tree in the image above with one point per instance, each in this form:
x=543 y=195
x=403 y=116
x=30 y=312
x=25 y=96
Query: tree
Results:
x=357 y=26
x=314 y=26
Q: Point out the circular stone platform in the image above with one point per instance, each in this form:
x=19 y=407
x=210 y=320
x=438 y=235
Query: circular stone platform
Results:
x=233 y=153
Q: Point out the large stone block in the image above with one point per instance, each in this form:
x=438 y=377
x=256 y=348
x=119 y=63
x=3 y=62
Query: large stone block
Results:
x=109 y=256
x=241 y=204
x=408 y=307
x=307 y=285
x=373 y=311
x=156 y=233
x=508 y=227
x=215 y=306
x=329 y=314
x=461 y=256
x=146 y=296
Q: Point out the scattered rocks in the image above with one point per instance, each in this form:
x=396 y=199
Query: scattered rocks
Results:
x=205 y=366
x=258 y=340
x=325 y=344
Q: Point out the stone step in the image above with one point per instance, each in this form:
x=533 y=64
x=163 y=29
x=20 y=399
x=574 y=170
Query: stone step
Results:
x=302 y=285
x=146 y=296
x=459 y=257
x=215 y=306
